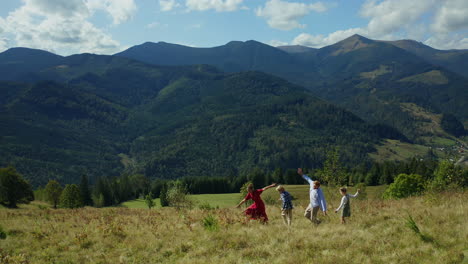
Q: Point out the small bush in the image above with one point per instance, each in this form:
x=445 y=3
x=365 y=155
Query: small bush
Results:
x=210 y=223
x=205 y=206
x=3 y=234
x=405 y=185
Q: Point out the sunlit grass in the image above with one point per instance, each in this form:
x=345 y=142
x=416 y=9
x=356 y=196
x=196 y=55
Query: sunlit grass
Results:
x=377 y=232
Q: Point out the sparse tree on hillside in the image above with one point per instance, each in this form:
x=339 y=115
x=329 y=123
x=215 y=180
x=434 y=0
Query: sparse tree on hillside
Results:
x=333 y=173
x=70 y=197
x=53 y=192
x=149 y=200
x=13 y=188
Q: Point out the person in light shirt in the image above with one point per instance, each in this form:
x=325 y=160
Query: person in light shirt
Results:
x=317 y=199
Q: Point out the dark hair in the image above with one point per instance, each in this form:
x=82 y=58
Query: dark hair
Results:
x=343 y=189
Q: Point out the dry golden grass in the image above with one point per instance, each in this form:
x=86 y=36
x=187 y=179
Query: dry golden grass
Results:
x=376 y=233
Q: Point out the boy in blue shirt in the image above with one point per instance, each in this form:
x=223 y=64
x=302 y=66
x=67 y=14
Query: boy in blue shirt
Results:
x=286 y=209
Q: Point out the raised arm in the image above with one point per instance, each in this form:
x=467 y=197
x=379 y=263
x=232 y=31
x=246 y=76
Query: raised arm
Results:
x=355 y=195
x=305 y=177
x=269 y=186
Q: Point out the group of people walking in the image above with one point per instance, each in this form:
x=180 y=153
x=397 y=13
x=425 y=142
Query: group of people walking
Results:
x=317 y=202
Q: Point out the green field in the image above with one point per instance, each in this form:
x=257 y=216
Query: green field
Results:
x=226 y=200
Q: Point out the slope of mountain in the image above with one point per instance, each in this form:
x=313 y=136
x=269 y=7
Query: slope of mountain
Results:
x=169 y=122
x=453 y=60
x=295 y=49
x=15 y=63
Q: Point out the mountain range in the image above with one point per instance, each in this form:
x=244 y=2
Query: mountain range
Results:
x=167 y=110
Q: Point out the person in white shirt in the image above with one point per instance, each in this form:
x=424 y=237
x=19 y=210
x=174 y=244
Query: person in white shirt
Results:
x=317 y=199
x=345 y=204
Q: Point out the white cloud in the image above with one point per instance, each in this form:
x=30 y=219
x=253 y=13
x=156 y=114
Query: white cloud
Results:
x=318 y=41
x=389 y=16
x=448 y=41
x=285 y=15
x=398 y=19
x=61 y=26
x=451 y=16
x=167 y=5
x=277 y=43
x=218 y=5
x=120 y=10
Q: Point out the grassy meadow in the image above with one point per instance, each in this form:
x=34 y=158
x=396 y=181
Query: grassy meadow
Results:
x=377 y=232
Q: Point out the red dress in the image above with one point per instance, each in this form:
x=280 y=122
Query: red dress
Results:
x=257 y=209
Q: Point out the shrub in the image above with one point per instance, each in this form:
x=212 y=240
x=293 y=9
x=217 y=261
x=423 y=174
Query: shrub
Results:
x=177 y=195
x=205 y=206
x=447 y=175
x=405 y=185
x=210 y=223
x=3 y=234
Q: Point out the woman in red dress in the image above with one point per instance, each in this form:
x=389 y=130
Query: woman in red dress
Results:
x=257 y=209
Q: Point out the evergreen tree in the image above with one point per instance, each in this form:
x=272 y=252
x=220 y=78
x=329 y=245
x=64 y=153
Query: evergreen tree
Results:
x=71 y=197
x=85 y=194
x=13 y=188
x=53 y=192
x=163 y=196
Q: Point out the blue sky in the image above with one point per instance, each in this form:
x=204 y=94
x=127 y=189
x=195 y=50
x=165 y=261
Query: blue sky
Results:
x=109 y=26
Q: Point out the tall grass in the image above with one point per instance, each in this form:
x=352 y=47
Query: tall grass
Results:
x=375 y=233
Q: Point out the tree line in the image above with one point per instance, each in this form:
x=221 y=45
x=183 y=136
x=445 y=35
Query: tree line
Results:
x=113 y=191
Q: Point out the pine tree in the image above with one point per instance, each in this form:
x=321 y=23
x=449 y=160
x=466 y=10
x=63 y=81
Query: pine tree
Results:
x=85 y=194
x=163 y=196
x=71 y=197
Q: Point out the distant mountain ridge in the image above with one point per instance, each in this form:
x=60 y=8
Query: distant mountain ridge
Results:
x=339 y=73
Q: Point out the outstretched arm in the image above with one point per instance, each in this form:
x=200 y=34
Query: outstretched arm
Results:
x=269 y=186
x=356 y=194
x=243 y=201
x=305 y=177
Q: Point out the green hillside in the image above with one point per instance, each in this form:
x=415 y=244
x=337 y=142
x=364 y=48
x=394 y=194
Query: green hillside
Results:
x=115 y=115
